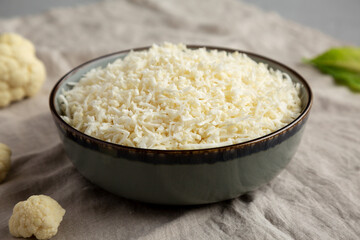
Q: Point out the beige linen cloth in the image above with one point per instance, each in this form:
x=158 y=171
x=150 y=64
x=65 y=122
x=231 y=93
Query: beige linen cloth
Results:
x=317 y=196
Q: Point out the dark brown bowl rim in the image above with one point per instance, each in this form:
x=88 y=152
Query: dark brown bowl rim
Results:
x=303 y=115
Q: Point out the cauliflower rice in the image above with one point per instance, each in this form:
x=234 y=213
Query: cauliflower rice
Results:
x=172 y=97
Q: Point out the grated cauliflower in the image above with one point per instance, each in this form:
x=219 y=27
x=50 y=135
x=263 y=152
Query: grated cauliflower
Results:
x=21 y=73
x=5 y=154
x=174 y=97
x=39 y=215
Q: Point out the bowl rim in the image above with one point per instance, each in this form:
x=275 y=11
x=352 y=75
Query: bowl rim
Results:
x=303 y=115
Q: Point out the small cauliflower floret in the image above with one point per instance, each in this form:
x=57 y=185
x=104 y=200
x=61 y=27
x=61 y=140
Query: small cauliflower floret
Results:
x=5 y=154
x=39 y=215
x=21 y=73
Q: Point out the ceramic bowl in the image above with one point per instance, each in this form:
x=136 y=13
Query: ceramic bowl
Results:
x=180 y=177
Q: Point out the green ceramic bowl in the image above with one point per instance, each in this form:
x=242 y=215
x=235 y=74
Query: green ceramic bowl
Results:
x=180 y=177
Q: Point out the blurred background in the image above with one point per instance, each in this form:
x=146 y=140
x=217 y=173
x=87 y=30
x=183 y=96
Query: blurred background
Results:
x=337 y=18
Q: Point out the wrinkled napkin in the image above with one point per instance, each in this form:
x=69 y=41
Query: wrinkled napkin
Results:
x=317 y=196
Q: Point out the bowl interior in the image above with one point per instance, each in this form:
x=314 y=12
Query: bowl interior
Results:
x=76 y=74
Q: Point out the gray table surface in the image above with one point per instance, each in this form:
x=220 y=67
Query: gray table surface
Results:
x=337 y=18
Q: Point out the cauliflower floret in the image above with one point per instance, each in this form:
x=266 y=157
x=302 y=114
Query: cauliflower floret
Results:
x=5 y=154
x=39 y=215
x=21 y=73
